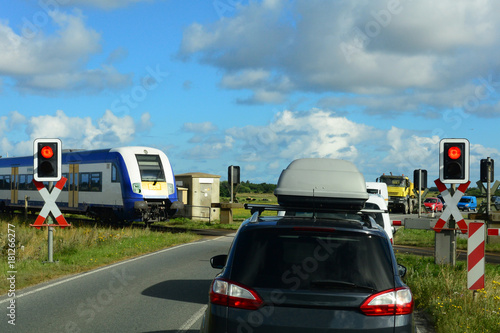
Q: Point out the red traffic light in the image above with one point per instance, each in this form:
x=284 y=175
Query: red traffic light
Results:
x=47 y=152
x=454 y=161
x=47 y=160
x=454 y=152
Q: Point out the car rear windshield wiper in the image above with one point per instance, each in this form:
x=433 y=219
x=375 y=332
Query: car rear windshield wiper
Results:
x=334 y=284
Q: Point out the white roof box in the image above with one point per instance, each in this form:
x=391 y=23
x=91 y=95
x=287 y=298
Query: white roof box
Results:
x=321 y=183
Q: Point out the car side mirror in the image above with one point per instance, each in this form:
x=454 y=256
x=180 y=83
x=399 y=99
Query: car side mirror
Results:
x=401 y=270
x=218 y=261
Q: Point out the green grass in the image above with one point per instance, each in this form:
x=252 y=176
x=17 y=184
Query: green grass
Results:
x=441 y=291
x=240 y=214
x=76 y=249
x=187 y=224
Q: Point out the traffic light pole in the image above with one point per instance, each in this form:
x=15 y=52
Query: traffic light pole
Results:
x=453 y=233
x=232 y=185
x=488 y=189
x=419 y=192
x=50 y=236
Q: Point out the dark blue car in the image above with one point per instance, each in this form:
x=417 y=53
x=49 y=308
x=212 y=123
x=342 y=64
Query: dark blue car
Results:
x=290 y=274
x=322 y=264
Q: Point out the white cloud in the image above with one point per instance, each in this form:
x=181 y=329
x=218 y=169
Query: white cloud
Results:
x=42 y=64
x=145 y=123
x=409 y=151
x=375 y=49
x=245 y=78
x=199 y=128
x=75 y=132
x=210 y=149
x=293 y=135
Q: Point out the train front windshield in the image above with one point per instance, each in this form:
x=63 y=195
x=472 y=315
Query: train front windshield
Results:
x=151 y=168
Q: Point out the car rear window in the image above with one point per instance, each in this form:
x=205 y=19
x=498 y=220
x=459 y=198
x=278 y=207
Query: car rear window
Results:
x=288 y=258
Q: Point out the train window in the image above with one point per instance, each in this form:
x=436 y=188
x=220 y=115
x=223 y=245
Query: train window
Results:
x=90 y=182
x=84 y=182
x=114 y=174
x=2 y=183
x=96 y=182
x=151 y=168
x=22 y=182
x=26 y=182
x=6 y=183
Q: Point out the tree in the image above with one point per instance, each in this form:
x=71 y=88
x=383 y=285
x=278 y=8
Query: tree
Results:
x=246 y=187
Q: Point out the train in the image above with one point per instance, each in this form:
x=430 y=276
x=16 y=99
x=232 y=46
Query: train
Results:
x=123 y=184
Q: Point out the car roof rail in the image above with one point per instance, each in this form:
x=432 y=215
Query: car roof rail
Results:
x=257 y=209
x=263 y=207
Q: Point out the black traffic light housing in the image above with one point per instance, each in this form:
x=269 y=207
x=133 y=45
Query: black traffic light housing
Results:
x=485 y=163
x=454 y=162
x=233 y=172
x=423 y=175
x=47 y=160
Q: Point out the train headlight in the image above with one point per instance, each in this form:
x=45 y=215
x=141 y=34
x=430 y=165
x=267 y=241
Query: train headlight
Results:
x=136 y=187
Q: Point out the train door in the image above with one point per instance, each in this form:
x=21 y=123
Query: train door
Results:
x=73 y=185
x=14 y=191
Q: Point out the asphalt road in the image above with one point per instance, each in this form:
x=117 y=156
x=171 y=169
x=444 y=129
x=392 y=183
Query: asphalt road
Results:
x=166 y=291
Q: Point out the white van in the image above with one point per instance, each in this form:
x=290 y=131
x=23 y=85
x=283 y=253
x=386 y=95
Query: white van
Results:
x=376 y=201
x=378 y=188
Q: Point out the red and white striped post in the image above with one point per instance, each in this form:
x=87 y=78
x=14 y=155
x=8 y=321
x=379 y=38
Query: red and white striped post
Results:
x=475 y=256
x=493 y=232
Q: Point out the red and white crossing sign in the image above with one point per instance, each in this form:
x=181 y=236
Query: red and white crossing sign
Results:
x=50 y=204
x=475 y=256
x=451 y=206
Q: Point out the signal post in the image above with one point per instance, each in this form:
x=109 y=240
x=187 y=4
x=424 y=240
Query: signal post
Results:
x=47 y=167
x=454 y=166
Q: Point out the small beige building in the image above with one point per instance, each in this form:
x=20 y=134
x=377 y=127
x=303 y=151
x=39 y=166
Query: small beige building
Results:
x=198 y=191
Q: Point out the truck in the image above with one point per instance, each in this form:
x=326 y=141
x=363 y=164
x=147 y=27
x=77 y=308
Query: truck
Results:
x=402 y=198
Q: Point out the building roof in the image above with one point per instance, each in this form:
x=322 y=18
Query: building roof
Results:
x=197 y=175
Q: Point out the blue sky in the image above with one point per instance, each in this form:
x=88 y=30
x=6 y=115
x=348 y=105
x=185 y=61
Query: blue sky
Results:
x=254 y=83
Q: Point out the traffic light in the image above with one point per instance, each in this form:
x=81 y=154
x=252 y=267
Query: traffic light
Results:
x=485 y=163
x=47 y=154
x=233 y=173
x=423 y=175
x=454 y=161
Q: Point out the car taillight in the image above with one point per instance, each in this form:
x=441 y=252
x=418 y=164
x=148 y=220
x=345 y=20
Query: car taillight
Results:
x=228 y=293
x=390 y=302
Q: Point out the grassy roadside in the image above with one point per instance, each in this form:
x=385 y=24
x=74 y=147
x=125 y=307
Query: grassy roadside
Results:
x=441 y=290
x=76 y=249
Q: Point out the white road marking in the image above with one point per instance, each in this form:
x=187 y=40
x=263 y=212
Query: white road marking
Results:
x=194 y=318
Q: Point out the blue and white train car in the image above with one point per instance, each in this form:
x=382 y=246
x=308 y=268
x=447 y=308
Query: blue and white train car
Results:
x=118 y=184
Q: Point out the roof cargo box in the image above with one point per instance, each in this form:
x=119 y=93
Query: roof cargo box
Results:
x=322 y=183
